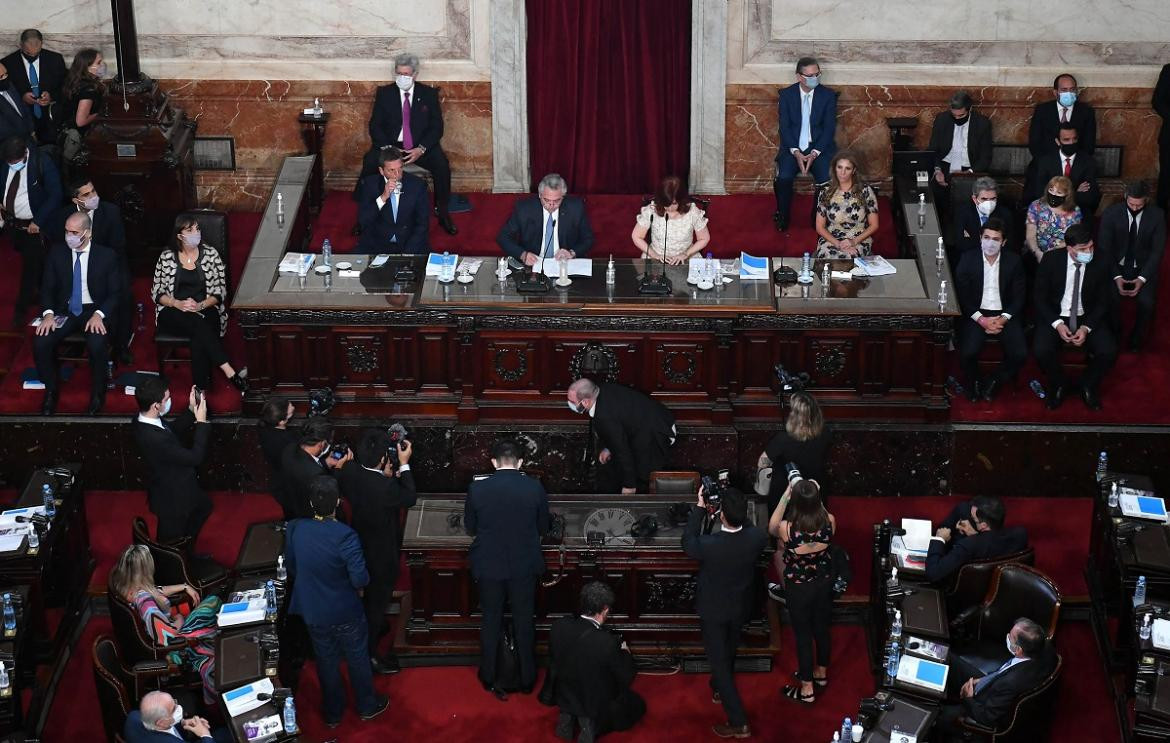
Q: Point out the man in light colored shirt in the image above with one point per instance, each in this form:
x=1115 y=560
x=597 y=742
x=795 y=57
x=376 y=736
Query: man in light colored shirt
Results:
x=159 y=718
x=1133 y=238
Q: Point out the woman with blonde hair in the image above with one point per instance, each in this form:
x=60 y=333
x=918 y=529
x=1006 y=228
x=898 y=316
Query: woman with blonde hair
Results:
x=132 y=579
x=1050 y=216
x=847 y=211
x=804 y=442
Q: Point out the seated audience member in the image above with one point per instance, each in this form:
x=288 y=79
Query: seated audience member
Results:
x=300 y=464
x=159 y=719
x=671 y=225
x=1074 y=302
x=37 y=75
x=83 y=93
x=847 y=215
x=407 y=116
x=1050 y=216
x=551 y=224
x=808 y=128
x=960 y=139
x=804 y=441
x=16 y=117
x=1065 y=108
x=1072 y=163
x=1132 y=238
x=328 y=572
x=990 y=700
x=189 y=290
x=984 y=538
x=32 y=193
x=392 y=208
x=275 y=438
x=132 y=578
x=992 y=290
x=968 y=220
x=82 y=287
x=592 y=670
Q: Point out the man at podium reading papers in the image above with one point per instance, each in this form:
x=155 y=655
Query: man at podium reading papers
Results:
x=550 y=225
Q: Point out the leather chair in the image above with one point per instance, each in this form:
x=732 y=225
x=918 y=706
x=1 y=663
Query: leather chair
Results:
x=1016 y=591
x=970 y=584
x=172 y=566
x=682 y=482
x=144 y=659
x=118 y=688
x=1030 y=721
x=214 y=227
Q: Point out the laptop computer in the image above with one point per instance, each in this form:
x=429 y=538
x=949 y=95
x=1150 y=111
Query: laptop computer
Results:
x=910 y=162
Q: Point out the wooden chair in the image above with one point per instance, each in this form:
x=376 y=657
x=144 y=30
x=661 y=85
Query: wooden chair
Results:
x=674 y=482
x=172 y=566
x=1031 y=719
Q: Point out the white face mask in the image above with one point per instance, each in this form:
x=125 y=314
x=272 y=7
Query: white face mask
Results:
x=166 y=408
x=406 y=82
x=990 y=246
x=576 y=408
x=1011 y=648
x=985 y=207
x=177 y=715
x=74 y=241
x=91 y=203
x=192 y=238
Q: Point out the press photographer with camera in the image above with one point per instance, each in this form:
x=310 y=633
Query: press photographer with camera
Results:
x=804 y=443
x=275 y=437
x=724 y=595
x=313 y=455
x=378 y=484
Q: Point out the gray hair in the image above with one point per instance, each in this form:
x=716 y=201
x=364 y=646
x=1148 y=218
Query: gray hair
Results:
x=81 y=219
x=984 y=183
x=584 y=389
x=554 y=182
x=153 y=708
x=406 y=59
x=961 y=99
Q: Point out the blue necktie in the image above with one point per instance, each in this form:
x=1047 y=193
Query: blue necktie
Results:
x=805 y=116
x=34 y=83
x=75 y=296
x=549 y=226
x=394 y=211
x=984 y=681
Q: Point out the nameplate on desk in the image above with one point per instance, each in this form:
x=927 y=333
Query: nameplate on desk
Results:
x=1143 y=507
x=245 y=698
x=922 y=672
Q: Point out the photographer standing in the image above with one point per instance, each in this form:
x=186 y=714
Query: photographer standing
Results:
x=724 y=596
x=804 y=442
x=310 y=457
x=275 y=438
x=377 y=485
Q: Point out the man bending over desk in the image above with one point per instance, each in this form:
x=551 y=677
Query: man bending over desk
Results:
x=982 y=536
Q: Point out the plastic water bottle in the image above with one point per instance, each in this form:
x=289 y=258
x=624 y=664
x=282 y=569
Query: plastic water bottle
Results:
x=448 y=268
x=281 y=570
x=9 y=614
x=141 y=318
x=34 y=539
x=1146 y=630
x=290 y=715
x=896 y=625
x=892 y=663
x=327 y=252
x=713 y=269
x=1037 y=389
x=610 y=272
x=806 y=265
x=847 y=729
x=50 y=500
x=1114 y=499
x=836 y=736
x=270 y=600
x=1139 y=591
x=1102 y=466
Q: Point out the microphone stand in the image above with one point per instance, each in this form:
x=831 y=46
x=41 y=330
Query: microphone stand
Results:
x=651 y=284
x=534 y=281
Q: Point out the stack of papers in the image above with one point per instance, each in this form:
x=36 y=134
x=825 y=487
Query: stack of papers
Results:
x=872 y=265
x=577 y=267
x=753 y=268
x=1161 y=634
x=435 y=263
x=910 y=549
x=244 y=699
x=1142 y=506
x=298 y=263
x=12 y=537
x=245 y=607
x=922 y=672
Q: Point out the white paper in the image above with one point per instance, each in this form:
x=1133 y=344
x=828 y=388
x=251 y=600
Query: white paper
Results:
x=909 y=668
x=1131 y=506
x=243 y=699
x=577 y=267
x=379 y=260
x=872 y=265
x=472 y=265
x=12 y=537
x=435 y=263
x=9 y=517
x=298 y=263
x=752 y=268
x=1161 y=634
x=917 y=537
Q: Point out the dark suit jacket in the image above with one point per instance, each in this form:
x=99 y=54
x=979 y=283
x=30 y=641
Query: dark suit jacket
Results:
x=44 y=186
x=634 y=427
x=524 y=230
x=968 y=227
x=995 y=701
x=15 y=119
x=1084 y=170
x=822 y=120
x=1045 y=127
x=942 y=135
x=591 y=668
x=507 y=513
x=1161 y=100
x=172 y=487
x=134 y=732
x=51 y=73
x=379 y=225
x=942 y=563
x=375 y=503
x=1012 y=287
x=1113 y=239
x=106 y=282
x=726 y=568
x=1096 y=285
x=108 y=228
x=324 y=559
x=426 y=118
x=297 y=470
x=273 y=443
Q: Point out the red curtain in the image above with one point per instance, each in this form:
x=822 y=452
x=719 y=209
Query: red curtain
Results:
x=609 y=86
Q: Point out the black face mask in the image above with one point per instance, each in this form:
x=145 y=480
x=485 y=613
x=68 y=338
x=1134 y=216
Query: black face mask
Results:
x=1068 y=150
x=28 y=59
x=964 y=120
x=5 y=85
x=1135 y=212
x=1054 y=200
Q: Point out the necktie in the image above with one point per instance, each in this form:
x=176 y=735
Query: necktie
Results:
x=983 y=681
x=35 y=83
x=1067 y=167
x=805 y=117
x=75 y=296
x=549 y=226
x=982 y=220
x=1131 y=246
x=1063 y=115
x=407 y=138
x=1074 y=306
x=10 y=197
x=394 y=205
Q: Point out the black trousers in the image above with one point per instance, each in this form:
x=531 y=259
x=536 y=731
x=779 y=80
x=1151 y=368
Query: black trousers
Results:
x=98 y=345
x=175 y=526
x=1163 y=197
x=434 y=161
x=1100 y=345
x=972 y=338
x=383 y=575
x=520 y=594
x=206 y=347
x=720 y=643
x=1146 y=301
x=123 y=322
x=32 y=265
x=810 y=607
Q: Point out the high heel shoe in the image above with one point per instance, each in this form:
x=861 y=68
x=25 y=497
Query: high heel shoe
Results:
x=240 y=380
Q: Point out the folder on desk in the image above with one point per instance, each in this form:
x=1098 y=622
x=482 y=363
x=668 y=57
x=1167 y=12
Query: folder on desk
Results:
x=752 y=268
x=245 y=698
x=1143 y=507
x=922 y=672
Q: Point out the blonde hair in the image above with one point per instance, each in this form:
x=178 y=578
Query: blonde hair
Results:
x=1065 y=184
x=805 y=421
x=133 y=571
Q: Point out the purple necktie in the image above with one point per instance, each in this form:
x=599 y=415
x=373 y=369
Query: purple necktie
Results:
x=407 y=139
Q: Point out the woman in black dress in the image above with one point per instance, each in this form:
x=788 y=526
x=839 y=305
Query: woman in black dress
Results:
x=275 y=437
x=83 y=91
x=804 y=441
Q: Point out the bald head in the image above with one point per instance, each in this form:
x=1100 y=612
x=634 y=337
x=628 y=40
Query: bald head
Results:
x=77 y=227
x=157 y=709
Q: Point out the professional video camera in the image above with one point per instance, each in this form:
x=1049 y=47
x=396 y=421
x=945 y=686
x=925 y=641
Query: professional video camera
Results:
x=714 y=488
x=790 y=382
x=321 y=401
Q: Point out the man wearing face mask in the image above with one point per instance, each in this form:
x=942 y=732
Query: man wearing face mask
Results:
x=960 y=139
x=160 y=719
x=83 y=287
x=1065 y=108
x=991 y=291
x=37 y=75
x=407 y=115
x=32 y=193
x=1073 y=305
x=1132 y=238
x=970 y=218
x=1072 y=163
x=309 y=458
x=808 y=127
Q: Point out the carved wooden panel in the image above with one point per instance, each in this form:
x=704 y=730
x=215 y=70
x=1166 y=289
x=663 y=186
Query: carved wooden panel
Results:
x=431 y=362
x=616 y=358
x=680 y=366
x=509 y=364
x=831 y=361
x=360 y=358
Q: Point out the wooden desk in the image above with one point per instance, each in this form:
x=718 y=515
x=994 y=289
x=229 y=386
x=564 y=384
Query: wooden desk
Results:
x=911 y=716
x=262 y=544
x=924 y=612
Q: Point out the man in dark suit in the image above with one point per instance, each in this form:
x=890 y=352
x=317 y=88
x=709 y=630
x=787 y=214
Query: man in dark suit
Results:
x=592 y=670
x=325 y=564
x=172 y=482
x=1065 y=108
x=635 y=432
x=159 y=719
x=960 y=139
x=551 y=224
x=1161 y=104
x=82 y=287
x=300 y=464
x=968 y=220
x=418 y=106
x=506 y=513
x=31 y=194
x=16 y=119
x=1133 y=238
x=808 y=128
x=1073 y=163
x=392 y=208
x=1074 y=303
x=724 y=595
x=991 y=291
x=989 y=700
x=37 y=74
x=378 y=484
x=984 y=537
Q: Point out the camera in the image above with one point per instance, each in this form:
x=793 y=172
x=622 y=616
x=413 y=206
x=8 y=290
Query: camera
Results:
x=793 y=472
x=321 y=401
x=338 y=451
x=790 y=382
x=713 y=490
x=398 y=434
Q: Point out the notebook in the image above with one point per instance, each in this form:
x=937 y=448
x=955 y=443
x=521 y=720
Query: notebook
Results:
x=1143 y=507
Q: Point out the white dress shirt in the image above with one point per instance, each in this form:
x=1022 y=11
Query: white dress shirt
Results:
x=556 y=230
x=991 y=297
x=1130 y=225
x=1060 y=113
x=23 y=210
x=957 y=158
x=150 y=421
x=1066 y=300
x=85 y=296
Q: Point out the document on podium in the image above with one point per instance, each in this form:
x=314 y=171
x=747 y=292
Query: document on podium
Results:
x=246 y=698
x=577 y=267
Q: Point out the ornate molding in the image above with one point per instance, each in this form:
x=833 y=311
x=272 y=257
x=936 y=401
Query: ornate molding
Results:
x=670 y=594
x=392 y=318
x=595 y=361
x=672 y=371
x=510 y=373
x=848 y=322
x=597 y=322
x=829 y=361
x=361 y=359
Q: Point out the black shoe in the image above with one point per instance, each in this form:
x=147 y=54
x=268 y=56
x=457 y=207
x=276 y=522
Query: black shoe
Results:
x=384 y=666
x=990 y=388
x=776 y=593
x=49 y=406
x=447 y=225
x=1091 y=398
x=383 y=703
x=780 y=221
x=96 y=402
x=494 y=691
x=357 y=230
x=240 y=380
x=1055 y=398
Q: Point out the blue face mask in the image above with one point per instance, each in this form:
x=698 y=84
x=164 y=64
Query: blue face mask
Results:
x=1067 y=98
x=812 y=82
x=1083 y=257
x=18 y=166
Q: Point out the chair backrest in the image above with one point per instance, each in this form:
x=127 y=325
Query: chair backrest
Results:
x=113 y=686
x=133 y=643
x=170 y=566
x=1032 y=717
x=680 y=482
x=973 y=580
x=214 y=227
x=1019 y=591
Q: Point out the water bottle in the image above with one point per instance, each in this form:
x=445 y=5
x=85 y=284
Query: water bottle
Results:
x=836 y=736
x=447 y=269
x=1102 y=466
x=892 y=663
x=270 y=600
x=610 y=272
x=50 y=500
x=141 y=318
x=5 y=683
x=1114 y=499
x=806 y=265
x=922 y=204
x=896 y=625
x=1145 y=632
x=279 y=204
x=327 y=252
x=34 y=539
x=9 y=614
x=1139 y=591
x=713 y=269
x=1037 y=388
x=290 y=715
x=281 y=571
x=847 y=729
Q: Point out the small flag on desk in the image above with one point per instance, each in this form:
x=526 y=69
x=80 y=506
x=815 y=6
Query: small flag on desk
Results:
x=752 y=267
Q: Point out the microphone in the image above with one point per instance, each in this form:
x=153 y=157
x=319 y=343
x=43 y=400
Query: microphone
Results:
x=36 y=518
x=657 y=285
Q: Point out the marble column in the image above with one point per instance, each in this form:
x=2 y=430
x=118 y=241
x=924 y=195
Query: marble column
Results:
x=708 y=95
x=509 y=38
